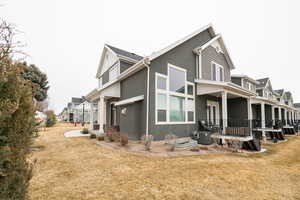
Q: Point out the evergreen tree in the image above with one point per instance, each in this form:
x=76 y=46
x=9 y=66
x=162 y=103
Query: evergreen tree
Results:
x=17 y=121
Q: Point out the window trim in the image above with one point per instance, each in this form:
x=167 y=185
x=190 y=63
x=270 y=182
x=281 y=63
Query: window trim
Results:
x=211 y=71
x=176 y=94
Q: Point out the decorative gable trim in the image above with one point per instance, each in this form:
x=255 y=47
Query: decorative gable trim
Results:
x=218 y=38
x=105 y=50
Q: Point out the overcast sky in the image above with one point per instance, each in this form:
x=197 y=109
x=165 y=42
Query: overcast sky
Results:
x=65 y=38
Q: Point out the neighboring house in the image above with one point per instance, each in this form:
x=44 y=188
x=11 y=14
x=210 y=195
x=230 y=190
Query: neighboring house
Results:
x=297 y=106
x=268 y=105
x=63 y=116
x=172 y=89
x=71 y=112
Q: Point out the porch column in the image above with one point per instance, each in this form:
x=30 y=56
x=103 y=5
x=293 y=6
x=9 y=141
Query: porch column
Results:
x=224 y=110
x=273 y=115
x=263 y=120
x=249 y=109
x=91 y=116
x=279 y=113
x=285 y=116
x=101 y=113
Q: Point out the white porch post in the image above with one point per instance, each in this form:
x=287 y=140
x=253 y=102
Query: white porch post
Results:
x=273 y=115
x=249 y=109
x=285 y=116
x=279 y=113
x=101 y=113
x=91 y=116
x=263 y=120
x=224 y=110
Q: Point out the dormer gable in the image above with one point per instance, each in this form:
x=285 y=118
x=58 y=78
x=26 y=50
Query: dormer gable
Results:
x=108 y=58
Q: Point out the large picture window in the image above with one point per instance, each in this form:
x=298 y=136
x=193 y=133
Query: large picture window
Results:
x=175 y=101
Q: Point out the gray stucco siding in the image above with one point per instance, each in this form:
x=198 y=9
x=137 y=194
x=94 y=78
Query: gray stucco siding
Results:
x=133 y=122
x=124 y=66
x=181 y=56
x=210 y=54
x=236 y=80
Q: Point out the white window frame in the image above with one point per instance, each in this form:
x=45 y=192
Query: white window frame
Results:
x=211 y=70
x=171 y=93
x=117 y=67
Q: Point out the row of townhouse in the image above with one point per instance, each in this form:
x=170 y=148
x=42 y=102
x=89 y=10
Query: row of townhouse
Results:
x=78 y=110
x=176 y=88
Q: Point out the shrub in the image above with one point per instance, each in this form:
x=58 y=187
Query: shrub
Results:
x=85 y=131
x=116 y=137
x=101 y=138
x=110 y=136
x=170 y=138
x=93 y=136
x=124 y=139
x=195 y=149
x=148 y=142
x=50 y=118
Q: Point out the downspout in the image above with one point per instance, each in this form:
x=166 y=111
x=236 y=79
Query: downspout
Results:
x=147 y=109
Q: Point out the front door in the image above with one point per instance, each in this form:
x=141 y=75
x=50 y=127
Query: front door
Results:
x=213 y=112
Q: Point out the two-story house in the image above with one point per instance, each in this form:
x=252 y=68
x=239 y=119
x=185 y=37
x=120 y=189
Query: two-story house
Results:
x=171 y=90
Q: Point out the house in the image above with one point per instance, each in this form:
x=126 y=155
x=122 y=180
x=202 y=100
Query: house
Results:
x=71 y=114
x=272 y=110
x=297 y=106
x=171 y=90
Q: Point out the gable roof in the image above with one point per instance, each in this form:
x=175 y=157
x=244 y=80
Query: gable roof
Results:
x=121 y=52
x=245 y=77
x=297 y=105
x=218 y=38
x=288 y=95
x=178 y=42
x=262 y=82
x=280 y=92
x=76 y=100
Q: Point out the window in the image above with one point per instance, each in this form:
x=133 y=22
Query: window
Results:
x=175 y=102
x=100 y=83
x=217 y=72
x=177 y=109
x=190 y=89
x=161 y=82
x=176 y=80
x=161 y=107
x=114 y=72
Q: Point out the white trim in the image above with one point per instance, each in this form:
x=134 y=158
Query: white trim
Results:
x=200 y=65
x=175 y=44
x=129 y=101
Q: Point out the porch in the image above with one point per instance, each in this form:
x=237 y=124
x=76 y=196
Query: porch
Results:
x=228 y=110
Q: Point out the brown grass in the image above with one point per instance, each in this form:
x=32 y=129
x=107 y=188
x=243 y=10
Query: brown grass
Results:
x=76 y=168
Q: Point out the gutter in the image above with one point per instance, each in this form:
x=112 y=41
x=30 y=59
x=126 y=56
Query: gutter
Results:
x=147 y=97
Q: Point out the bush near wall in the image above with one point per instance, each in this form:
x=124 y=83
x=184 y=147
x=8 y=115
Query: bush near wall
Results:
x=50 y=118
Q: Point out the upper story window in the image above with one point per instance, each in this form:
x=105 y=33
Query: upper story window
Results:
x=100 y=83
x=217 y=72
x=177 y=80
x=114 y=72
x=175 y=101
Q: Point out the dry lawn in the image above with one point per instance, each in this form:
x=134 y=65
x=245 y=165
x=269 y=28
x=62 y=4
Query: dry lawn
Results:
x=76 y=168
